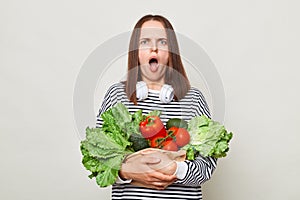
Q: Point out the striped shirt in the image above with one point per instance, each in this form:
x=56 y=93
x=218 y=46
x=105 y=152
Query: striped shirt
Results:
x=198 y=171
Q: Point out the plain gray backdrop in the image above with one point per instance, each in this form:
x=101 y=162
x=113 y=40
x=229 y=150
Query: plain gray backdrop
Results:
x=253 y=44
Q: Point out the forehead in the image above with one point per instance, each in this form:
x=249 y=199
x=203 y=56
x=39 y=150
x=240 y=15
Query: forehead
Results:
x=153 y=28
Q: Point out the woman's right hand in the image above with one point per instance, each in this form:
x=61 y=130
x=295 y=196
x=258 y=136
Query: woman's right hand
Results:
x=138 y=168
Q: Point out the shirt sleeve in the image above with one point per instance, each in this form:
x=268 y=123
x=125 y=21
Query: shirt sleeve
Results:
x=106 y=104
x=198 y=171
x=121 y=181
x=200 y=105
x=181 y=169
x=201 y=169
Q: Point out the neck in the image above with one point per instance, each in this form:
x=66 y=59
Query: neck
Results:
x=154 y=86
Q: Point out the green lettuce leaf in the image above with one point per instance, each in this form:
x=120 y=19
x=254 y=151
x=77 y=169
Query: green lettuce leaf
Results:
x=133 y=127
x=208 y=138
x=113 y=127
x=121 y=115
x=102 y=156
x=104 y=148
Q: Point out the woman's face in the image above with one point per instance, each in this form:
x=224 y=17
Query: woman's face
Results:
x=153 y=53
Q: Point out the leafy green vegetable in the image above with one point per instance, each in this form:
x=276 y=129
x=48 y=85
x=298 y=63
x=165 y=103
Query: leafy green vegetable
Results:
x=208 y=138
x=104 y=148
x=133 y=126
x=114 y=126
x=102 y=156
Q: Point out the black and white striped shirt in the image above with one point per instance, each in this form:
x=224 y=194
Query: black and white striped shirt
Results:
x=198 y=170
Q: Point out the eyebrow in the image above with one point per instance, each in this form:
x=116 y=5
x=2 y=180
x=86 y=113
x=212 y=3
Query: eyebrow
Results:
x=145 y=38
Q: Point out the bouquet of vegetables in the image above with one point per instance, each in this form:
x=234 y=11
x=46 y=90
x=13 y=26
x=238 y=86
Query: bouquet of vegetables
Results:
x=123 y=133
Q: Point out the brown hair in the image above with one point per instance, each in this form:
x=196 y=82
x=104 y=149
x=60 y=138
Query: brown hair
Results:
x=175 y=73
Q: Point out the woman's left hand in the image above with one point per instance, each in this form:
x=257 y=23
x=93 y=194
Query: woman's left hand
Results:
x=166 y=166
x=151 y=169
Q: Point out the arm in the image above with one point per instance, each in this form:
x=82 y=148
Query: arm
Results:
x=198 y=171
x=188 y=172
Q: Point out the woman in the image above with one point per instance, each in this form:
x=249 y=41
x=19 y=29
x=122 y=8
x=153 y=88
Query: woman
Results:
x=157 y=81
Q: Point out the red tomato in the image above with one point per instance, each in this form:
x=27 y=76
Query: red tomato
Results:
x=172 y=130
x=182 y=137
x=170 y=145
x=152 y=126
x=156 y=142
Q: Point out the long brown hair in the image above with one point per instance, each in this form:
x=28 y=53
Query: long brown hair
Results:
x=175 y=73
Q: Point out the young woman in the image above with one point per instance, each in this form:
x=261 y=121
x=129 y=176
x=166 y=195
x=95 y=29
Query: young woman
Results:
x=157 y=81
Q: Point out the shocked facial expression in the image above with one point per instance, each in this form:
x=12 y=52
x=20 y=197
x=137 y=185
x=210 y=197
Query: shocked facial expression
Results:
x=153 y=53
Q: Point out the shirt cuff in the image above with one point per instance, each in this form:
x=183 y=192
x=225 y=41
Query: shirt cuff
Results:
x=121 y=181
x=181 y=170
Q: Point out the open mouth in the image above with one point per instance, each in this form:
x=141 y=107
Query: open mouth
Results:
x=153 y=61
x=153 y=64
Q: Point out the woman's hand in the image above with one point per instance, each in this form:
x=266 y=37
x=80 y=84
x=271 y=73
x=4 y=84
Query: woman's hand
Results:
x=167 y=164
x=150 y=169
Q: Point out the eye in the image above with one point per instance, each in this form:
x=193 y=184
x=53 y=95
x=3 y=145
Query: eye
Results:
x=143 y=42
x=163 y=42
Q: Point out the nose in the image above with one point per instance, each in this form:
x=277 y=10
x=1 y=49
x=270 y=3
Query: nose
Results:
x=153 y=46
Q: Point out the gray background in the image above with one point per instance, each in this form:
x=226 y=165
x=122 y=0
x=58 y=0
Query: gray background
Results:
x=254 y=45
